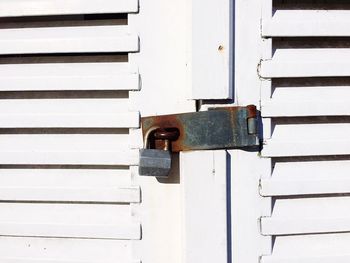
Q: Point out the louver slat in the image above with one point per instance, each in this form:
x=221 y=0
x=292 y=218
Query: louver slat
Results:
x=306 y=108
x=285 y=226
x=57 y=250
x=57 y=40
x=119 y=230
x=305 y=100
x=33 y=260
x=301 y=259
x=296 y=63
x=303 y=23
x=275 y=187
x=71 y=221
x=68 y=76
x=31 y=157
x=323 y=248
x=67 y=185
x=118 y=120
x=69 y=149
x=310 y=215
x=308 y=139
x=101 y=195
x=307 y=178
x=67 y=113
x=10 y=8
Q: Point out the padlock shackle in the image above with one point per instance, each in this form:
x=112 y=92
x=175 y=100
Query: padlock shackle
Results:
x=147 y=134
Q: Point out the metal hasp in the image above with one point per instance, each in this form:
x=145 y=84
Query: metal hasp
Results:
x=217 y=128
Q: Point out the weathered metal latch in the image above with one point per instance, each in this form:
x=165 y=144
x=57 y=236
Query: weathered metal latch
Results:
x=217 y=128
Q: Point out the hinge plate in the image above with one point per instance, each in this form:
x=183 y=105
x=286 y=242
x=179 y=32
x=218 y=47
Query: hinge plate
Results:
x=217 y=128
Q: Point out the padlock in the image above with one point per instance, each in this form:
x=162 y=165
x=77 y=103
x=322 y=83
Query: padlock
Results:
x=154 y=162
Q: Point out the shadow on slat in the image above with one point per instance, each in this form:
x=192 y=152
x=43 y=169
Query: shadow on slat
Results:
x=64 y=21
x=311 y=4
x=64 y=131
x=310 y=42
x=69 y=94
x=49 y=166
x=63 y=58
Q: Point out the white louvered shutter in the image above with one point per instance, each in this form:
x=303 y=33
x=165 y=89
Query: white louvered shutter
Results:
x=75 y=76
x=305 y=110
x=66 y=191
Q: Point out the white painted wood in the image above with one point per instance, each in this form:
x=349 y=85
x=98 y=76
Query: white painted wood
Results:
x=68 y=185
x=212 y=58
x=120 y=120
x=71 y=221
x=245 y=231
x=205 y=201
x=289 y=63
x=315 y=259
x=68 y=76
x=307 y=139
x=67 y=40
x=65 y=178
x=306 y=108
x=33 y=260
x=304 y=148
x=311 y=94
x=320 y=249
x=285 y=226
x=307 y=101
x=267 y=131
x=295 y=132
x=74 y=149
x=300 y=137
x=120 y=194
x=116 y=231
x=308 y=215
x=247 y=244
x=19 y=260
x=294 y=220
x=267 y=12
x=171 y=62
x=162 y=27
x=307 y=178
x=66 y=106
x=52 y=250
x=63 y=142
x=66 y=113
x=305 y=23
x=64 y=7
x=15 y=260
x=57 y=213
x=121 y=157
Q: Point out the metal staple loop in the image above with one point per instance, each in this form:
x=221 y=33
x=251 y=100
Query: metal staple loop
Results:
x=170 y=134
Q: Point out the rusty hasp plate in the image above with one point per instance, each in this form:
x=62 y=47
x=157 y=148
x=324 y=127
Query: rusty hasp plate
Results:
x=218 y=128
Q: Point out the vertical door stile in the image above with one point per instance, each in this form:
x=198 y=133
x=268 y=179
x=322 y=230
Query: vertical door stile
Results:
x=212 y=57
x=162 y=64
x=205 y=209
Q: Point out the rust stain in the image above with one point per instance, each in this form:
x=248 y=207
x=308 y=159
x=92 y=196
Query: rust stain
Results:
x=251 y=109
x=180 y=122
x=165 y=122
